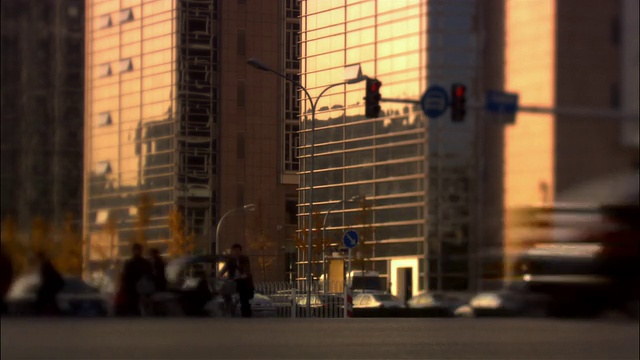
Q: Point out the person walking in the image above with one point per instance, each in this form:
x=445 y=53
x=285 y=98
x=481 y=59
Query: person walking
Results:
x=158 y=267
x=137 y=281
x=238 y=268
x=51 y=283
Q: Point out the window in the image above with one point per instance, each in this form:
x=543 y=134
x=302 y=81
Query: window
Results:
x=241 y=93
x=241 y=42
x=103 y=168
x=104 y=21
x=126 y=65
x=291 y=143
x=104 y=70
x=126 y=15
x=104 y=119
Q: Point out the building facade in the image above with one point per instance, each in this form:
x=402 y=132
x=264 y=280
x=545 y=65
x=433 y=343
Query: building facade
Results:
x=437 y=192
x=41 y=115
x=175 y=122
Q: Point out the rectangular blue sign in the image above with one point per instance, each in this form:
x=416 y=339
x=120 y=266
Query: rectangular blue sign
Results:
x=501 y=102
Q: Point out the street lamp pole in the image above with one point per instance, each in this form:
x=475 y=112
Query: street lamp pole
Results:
x=249 y=207
x=261 y=66
x=324 y=232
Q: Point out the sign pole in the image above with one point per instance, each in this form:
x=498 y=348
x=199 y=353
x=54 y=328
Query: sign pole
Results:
x=347 y=285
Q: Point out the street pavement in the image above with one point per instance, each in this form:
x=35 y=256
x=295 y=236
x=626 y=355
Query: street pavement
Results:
x=358 y=338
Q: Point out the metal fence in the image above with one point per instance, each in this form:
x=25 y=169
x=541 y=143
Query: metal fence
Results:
x=290 y=300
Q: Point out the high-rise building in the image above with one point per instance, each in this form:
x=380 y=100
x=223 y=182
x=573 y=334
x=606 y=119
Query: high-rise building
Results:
x=41 y=112
x=436 y=191
x=177 y=121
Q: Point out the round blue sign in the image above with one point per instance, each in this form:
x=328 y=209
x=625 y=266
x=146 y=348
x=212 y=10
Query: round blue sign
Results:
x=434 y=101
x=350 y=239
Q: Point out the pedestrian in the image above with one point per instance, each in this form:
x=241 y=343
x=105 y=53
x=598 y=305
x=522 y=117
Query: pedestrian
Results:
x=6 y=271
x=51 y=283
x=238 y=268
x=137 y=281
x=159 y=280
x=158 y=270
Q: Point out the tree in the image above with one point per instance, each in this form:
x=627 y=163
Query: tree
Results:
x=145 y=204
x=261 y=241
x=68 y=257
x=181 y=243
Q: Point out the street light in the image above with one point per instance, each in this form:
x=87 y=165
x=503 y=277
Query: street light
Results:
x=354 y=75
x=324 y=230
x=250 y=207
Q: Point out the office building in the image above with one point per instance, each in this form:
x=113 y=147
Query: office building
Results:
x=175 y=116
x=436 y=191
x=41 y=112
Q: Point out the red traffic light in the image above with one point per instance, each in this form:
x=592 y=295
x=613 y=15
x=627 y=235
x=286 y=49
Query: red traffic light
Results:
x=459 y=90
x=374 y=86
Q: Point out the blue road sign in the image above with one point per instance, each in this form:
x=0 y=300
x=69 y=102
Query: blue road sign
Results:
x=350 y=239
x=434 y=101
x=501 y=102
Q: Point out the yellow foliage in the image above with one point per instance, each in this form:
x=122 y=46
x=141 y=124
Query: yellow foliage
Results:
x=145 y=204
x=181 y=244
x=15 y=248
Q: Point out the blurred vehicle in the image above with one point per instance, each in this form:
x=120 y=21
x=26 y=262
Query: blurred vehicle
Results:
x=367 y=301
x=261 y=306
x=589 y=268
x=500 y=303
x=359 y=281
x=441 y=303
x=77 y=298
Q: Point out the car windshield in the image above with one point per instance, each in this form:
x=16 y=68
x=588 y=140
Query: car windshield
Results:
x=367 y=283
x=385 y=297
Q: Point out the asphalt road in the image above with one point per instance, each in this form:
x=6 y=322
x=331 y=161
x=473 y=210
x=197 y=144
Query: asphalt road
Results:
x=236 y=338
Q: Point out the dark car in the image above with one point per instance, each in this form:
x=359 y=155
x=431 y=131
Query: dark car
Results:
x=437 y=303
x=77 y=298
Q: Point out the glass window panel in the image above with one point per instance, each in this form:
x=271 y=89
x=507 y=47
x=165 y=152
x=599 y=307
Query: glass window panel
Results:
x=105 y=56
x=125 y=65
x=106 y=7
x=106 y=42
x=130 y=100
x=106 y=92
x=157 y=29
x=105 y=105
x=159 y=69
x=126 y=15
x=155 y=44
x=156 y=81
x=156 y=7
x=104 y=21
x=103 y=70
x=157 y=18
x=104 y=119
x=130 y=115
x=156 y=95
x=130 y=86
x=156 y=111
x=103 y=168
x=130 y=36
x=157 y=58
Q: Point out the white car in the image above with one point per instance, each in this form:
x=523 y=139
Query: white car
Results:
x=364 y=301
x=77 y=298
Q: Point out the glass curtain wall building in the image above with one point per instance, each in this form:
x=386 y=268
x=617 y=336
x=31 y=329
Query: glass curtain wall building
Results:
x=150 y=120
x=416 y=174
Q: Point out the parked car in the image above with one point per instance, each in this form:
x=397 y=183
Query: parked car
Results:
x=500 y=303
x=364 y=301
x=442 y=303
x=77 y=298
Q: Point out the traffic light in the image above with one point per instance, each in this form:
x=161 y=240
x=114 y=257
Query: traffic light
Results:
x=458 y=102
x=372 y=100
